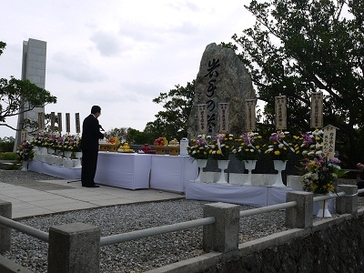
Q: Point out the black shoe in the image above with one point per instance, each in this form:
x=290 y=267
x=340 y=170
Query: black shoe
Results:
x=92 y=186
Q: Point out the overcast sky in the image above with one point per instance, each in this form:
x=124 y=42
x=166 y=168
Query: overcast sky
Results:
x=115 y=53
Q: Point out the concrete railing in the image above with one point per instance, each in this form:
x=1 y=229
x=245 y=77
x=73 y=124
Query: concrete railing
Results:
x=68 y=243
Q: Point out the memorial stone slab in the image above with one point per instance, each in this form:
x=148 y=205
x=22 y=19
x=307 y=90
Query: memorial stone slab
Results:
x=222 y=79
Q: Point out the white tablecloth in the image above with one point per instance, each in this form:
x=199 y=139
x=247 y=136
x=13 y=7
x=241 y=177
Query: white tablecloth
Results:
x=244 y=195
x=123 y=170
x=170 y=173
x=54 y=170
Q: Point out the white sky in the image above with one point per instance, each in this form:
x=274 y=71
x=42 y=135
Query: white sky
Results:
x=119 y=54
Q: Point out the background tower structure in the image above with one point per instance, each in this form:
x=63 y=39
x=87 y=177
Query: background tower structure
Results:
x=34 y=70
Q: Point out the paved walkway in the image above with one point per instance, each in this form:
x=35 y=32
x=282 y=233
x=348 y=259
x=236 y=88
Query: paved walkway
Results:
x=53 y=196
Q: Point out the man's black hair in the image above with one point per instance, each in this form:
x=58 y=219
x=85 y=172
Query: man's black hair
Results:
x=95 y=109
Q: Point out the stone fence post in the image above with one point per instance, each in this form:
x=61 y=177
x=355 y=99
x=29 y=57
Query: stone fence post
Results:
x=349 y=202
x=5 y=232
x=223 y=235
x=74 y=248
x=300 y=216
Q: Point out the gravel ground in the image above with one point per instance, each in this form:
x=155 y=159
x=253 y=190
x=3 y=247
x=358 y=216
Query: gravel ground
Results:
x=138 y=255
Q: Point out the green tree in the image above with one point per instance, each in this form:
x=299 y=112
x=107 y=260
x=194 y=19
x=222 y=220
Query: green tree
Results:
x=120 y=133
x=297 y=47
x=172 y=122
x=20 y=96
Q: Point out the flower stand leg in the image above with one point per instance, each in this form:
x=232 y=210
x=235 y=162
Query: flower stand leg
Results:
x=249 y=166
x=323 y=210
x=24 y=166
x=222 y=165
x=201 y=163
x=279 y=165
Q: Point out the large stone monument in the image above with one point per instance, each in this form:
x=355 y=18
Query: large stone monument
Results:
x=222 y=86
x=34 y=70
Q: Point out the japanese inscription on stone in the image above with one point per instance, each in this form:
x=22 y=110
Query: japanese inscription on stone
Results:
x=250 y=118
x=60 y=122
x=202 y=118
x=77 y=115
x=68 y=124
x=329 y=139
x=223 y=117
x=316 y=110
x=281 y=112
x=212 y=73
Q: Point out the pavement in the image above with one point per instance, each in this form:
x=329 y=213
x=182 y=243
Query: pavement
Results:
x=44 y=197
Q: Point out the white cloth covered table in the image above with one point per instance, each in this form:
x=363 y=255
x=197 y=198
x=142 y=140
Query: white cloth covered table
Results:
x=170 y=173
x=54 y=170
x=123 y=170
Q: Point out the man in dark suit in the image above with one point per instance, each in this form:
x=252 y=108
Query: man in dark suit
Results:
x=90 y=147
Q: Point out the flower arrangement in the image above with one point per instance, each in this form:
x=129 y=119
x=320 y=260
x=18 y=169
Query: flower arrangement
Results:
x=249 y=146
x=320 y=174
x=72 y=143
x=280 y=146
x=221 y=146
x=25 y=151
x=199 y=148
x=160 y=142
x=312 y=143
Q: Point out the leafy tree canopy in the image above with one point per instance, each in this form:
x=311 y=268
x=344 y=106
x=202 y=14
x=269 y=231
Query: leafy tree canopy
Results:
x=172 y=122
x=297 y=47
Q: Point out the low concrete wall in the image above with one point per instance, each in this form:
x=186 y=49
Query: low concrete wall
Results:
x=7 y=266
x=331 y=245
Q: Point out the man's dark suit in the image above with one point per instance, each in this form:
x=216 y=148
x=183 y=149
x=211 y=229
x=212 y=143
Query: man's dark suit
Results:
x=90 y=147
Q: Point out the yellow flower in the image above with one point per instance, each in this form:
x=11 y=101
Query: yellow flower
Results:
x=277 y=152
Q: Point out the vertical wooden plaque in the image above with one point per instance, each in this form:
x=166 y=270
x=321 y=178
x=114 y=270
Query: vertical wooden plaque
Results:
x=77 y=121
x=41 y=120
x=281 y=112
x=316 y=110
x=329 y=139
x=68 y=124
x=53 y=120
x=202 y=118
x=223 y=117
x=60 y=122
x=250 y=118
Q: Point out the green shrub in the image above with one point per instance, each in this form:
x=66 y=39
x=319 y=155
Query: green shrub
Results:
x=8 y=156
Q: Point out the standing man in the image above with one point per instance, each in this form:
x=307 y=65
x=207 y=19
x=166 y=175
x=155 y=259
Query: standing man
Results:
x=90 y=147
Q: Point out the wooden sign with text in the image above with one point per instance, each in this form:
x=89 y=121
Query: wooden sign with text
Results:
x=202 y=118
x=316 y=110
x=281 y=112
x=250 y=118
x=77 y=121
x=41 y=120
x=68 y=123
x=223 y=117
x=329 y=139
x=60 y=122
x=53 y=120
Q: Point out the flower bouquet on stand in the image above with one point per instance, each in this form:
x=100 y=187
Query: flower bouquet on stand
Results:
x=198 y=149
x=25 y=153
x=319 y=177
x=279 y=149
x=248 y=150
x=220 y=150
x=312 y=143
